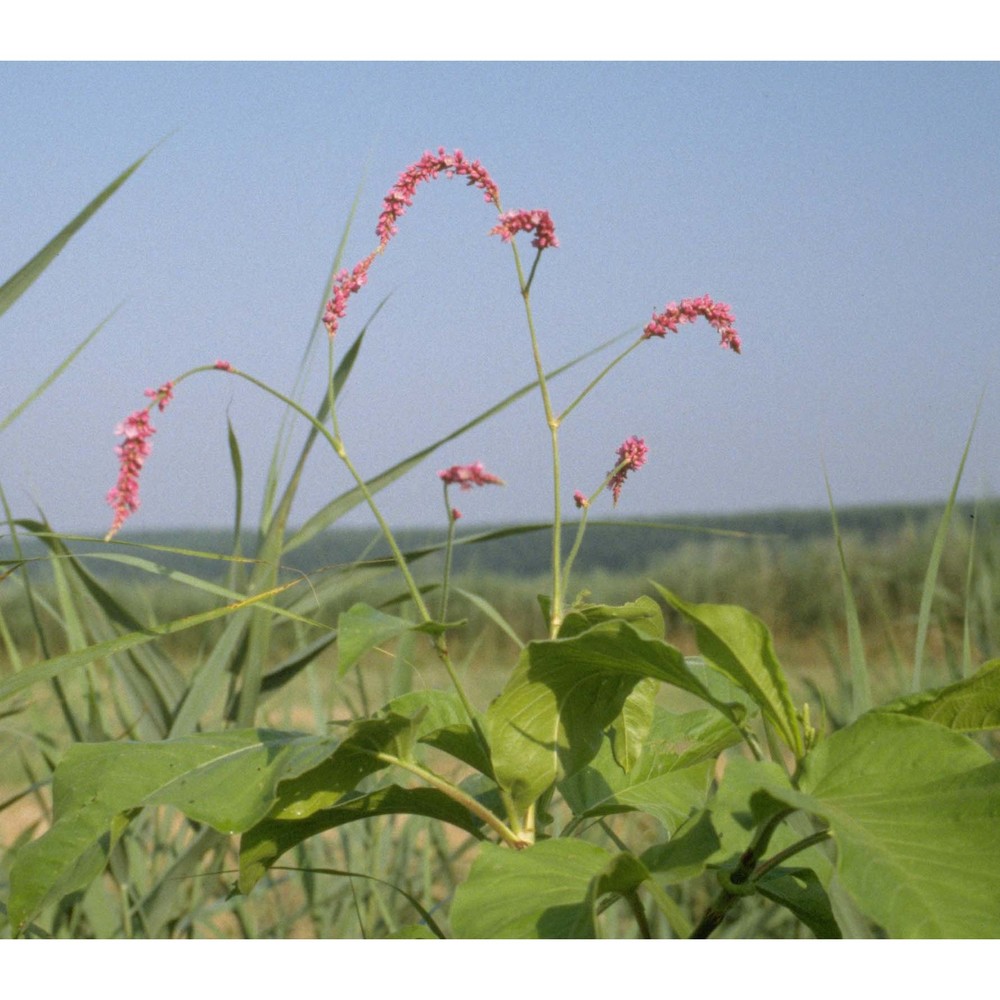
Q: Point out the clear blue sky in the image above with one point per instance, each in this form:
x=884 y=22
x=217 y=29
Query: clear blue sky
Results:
x=849 y=213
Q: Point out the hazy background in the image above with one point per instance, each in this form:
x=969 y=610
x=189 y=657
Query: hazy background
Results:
x=848 y=212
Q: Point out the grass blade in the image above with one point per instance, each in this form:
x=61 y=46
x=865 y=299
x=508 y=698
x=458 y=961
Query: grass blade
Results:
x=15 y=286
x=861 y=690
x=930 y=580
x=66 y=362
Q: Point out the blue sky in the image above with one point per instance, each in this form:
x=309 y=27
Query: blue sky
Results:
x=848 y=212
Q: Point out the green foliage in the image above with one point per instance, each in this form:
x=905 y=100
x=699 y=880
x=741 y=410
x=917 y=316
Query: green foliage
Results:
x=612 y=786
x=550 y=890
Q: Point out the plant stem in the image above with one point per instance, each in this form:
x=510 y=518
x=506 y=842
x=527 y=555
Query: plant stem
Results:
x=455 y=793
x=741 y=876
x=590 y=385
x=556 y=608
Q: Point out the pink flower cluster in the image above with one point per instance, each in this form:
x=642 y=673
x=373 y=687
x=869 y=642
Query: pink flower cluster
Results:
x=632 y=452
x=132 y=452
x=717 y=313
x=161 y=396
x=394 y=205
x=399 y=199
x=345 y=285
x=537 y=221
x=467 y=476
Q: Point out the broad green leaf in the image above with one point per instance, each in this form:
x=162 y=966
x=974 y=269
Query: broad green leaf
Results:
x=227 y=780
x=670 y=779
x=644 y=614
x=800 y=891
x=688 y=852
x=630 y=730
x=15 y=286
x=967 y=706
x=264 y=843
x=915 y=811
x=361 y=753
x=440 y=721
x=430 y=710
x=739 y=645
x=549 y=720
x=362 y=628
x=549 y=890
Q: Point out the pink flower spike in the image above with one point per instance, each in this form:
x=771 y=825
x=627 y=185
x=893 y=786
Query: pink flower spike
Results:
x=455 y=513
x=468 y=476
x=223 y=366
x=579 y=499
x=632 y=451
x=537 y=221
x=346 y=284
x=162 y=396
x=427 y=168
x=132 y=453
x=717 y=313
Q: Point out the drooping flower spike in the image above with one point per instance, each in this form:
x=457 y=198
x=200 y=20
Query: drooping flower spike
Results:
x=427 y=168
x=632 y=452
x=717 y=313
x=537 y=221
x=136 y=430
x=467 y=476
x=394 y=205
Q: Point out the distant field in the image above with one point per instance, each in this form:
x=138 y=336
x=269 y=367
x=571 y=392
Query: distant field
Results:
x=782 y=565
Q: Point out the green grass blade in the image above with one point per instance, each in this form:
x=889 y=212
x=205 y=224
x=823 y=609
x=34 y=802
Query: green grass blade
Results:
x=861 y=690
x=967 y=665
x=58 y=665
x=347 y=501
x=67 y=361
x=306 y=365
x=930 y=580
x=493 y=615
x=15 y=286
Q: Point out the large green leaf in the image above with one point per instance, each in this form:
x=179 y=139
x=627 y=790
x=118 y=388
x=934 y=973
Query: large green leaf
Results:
x=739 y=644
x=362 y=628
x=264 y=843
x=967 y=706
x=915 y=811
x=550 y=718
x=358 y=755
x=670 y=778
x=644 y=614
x=549 y=890
x=630 y=731
x=227 y=780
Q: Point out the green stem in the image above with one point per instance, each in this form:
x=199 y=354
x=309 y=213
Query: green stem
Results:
x=506 y=834
x=449 y=546
x=740 y=877
x=556 y=608
x=590 y=385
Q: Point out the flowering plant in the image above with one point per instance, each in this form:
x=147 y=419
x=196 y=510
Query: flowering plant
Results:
x=889 y=822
